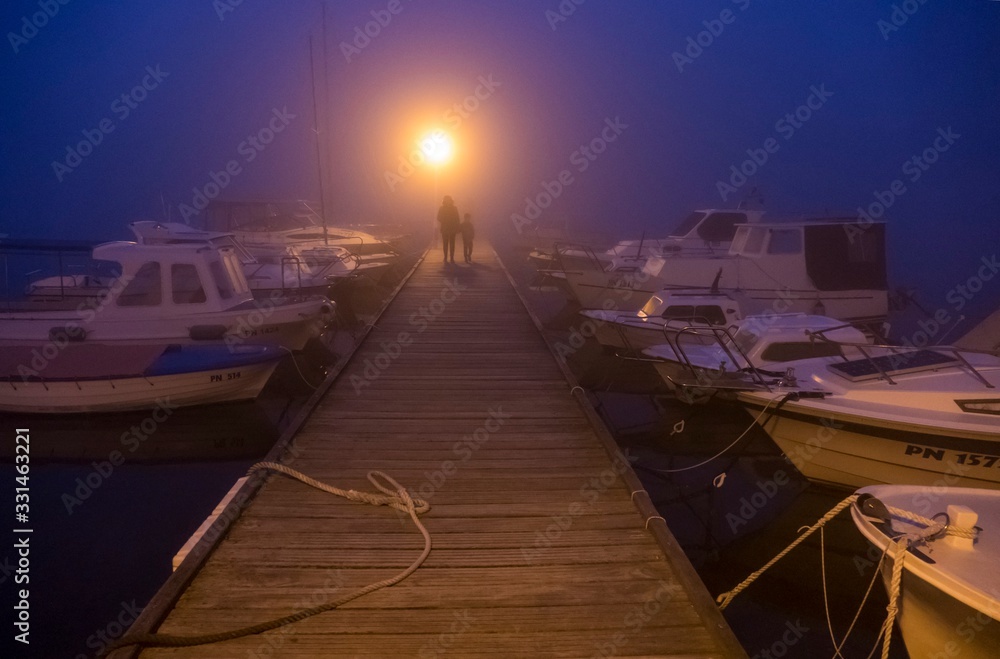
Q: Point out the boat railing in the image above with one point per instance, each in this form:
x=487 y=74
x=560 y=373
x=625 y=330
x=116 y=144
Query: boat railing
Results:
x=725 y=340
x=867 y=350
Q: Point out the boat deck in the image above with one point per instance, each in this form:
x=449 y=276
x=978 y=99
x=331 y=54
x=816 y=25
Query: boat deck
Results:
x=543 y=542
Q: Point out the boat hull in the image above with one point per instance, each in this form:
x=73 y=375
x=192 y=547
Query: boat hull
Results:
x=948 y=608
x=180 y=376
x=854 y=451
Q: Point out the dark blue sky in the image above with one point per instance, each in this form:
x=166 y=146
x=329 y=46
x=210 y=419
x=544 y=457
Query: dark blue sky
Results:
x=548 y=92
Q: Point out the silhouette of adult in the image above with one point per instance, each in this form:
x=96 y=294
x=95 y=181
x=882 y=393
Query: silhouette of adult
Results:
x=448 y=219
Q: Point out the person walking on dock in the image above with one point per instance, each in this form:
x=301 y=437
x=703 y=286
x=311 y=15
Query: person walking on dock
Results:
x=468 y=233
x=448 y=219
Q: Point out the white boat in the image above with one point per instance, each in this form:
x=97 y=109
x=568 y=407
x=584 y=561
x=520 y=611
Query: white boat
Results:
x=898 y=415
x=949 y=595
x=297 y=223
x=268 y=268
x=178 y=376
x=665 y=313
x=163 y=294
x=827 y=267
x=713 y=359
x=853 y=413
x=704 y=232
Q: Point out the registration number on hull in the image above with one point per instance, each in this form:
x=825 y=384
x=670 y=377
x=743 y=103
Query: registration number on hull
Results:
x=943 y=455
x=219 y=377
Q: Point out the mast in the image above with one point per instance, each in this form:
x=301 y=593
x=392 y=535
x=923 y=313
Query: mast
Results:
x=319 y=159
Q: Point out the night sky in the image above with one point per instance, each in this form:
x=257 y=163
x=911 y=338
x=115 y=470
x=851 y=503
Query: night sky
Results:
x=686 y=90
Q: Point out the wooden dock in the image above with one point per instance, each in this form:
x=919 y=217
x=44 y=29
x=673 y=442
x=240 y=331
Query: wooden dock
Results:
x=544 y=543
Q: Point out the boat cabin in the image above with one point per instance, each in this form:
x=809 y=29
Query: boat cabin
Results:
x=164 y=280
x=692 y=308
x=714 y=226
x=839 y=254
x=776 y=338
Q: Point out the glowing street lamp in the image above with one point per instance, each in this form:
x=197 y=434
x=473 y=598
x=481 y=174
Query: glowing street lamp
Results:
x=437 y=148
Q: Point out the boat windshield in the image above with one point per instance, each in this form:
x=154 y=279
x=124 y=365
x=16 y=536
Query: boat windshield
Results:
x=650 y=307
x=745 y=339
x=689 y=223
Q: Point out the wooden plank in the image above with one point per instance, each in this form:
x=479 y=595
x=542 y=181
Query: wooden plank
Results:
x=539 y=548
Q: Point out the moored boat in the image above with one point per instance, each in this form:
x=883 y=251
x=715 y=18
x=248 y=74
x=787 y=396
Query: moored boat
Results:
x=665 y=314
x=823 y=266
x=162 y=294
x=949 y=591
x=181 y=375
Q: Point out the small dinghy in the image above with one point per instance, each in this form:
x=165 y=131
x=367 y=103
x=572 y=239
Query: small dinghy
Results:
x=949 y=588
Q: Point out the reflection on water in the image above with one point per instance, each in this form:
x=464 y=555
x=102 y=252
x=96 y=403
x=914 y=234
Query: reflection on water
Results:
x=115 y=496
x=732 y=505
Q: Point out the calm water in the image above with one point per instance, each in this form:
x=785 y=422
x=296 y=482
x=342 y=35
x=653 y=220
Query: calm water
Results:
x=731 y=528
x=104 y=537
x=103 y=541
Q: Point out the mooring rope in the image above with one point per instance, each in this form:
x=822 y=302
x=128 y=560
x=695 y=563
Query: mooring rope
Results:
x=932 y=529
x=725 y=598
x=393 y=495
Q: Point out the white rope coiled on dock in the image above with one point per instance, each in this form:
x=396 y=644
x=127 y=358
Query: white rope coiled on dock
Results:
x=392 y=495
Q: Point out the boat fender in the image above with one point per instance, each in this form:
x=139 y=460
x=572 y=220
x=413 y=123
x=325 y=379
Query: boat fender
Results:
x=207 y=332
x=67 y=334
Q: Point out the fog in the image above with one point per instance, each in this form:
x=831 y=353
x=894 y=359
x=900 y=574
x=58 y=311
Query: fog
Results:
x=628 y=115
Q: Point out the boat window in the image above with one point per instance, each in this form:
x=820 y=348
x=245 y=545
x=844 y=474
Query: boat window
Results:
x=651 y=306
x=684 y=228
x=145 y=289
x=746 y=339
x=755 y=241
x=980 y=406
x=793 y=350
x=222 y=281
x=842 y=257
x=236 y=277
x=785 y=241
x=186 y=284
x=701 y=313
x=720 y=227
